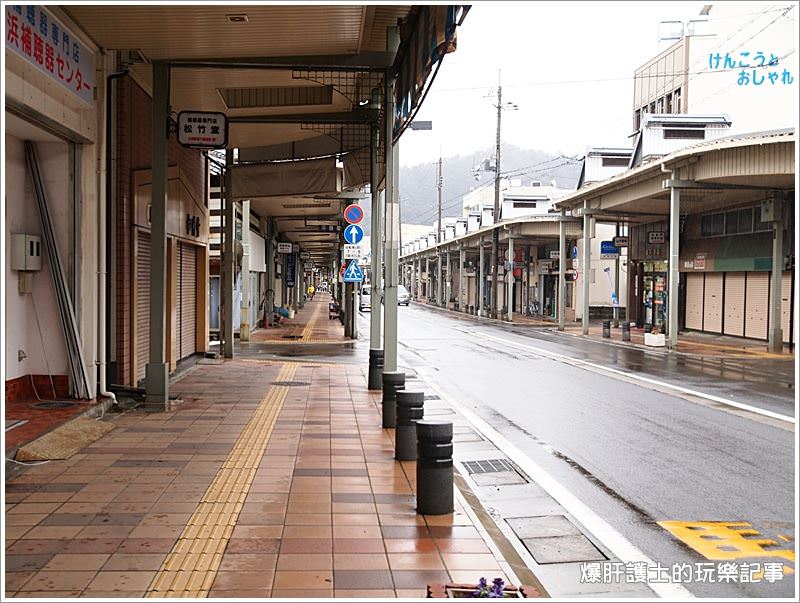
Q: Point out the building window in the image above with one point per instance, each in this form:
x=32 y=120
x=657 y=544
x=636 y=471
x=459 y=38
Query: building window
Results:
x=669 y=103
x=615 y=161
x=676 y=101
x=661 y=105
x=732 y=222
x=737 y=221
x=652 y=107
x=712 y=225
x=685 y=133
x=637 y=119
x=746 y=220
x=521 y=204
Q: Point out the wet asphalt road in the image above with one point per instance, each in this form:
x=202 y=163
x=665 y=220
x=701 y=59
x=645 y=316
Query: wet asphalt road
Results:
x=634 y=455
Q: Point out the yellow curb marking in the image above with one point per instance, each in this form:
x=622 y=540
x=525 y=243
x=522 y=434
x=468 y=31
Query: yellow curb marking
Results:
x=190 y=568
x=725 y=540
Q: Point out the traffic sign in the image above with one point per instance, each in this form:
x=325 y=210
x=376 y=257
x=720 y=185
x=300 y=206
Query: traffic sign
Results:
x=351 y=252
x=353 y=214
x=353 y=274
x=353 y=234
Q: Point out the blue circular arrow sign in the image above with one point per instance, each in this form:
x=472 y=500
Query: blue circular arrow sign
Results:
x=353 y=214
x=353 y=234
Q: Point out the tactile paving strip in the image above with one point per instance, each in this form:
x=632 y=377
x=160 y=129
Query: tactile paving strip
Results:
x=190 y=568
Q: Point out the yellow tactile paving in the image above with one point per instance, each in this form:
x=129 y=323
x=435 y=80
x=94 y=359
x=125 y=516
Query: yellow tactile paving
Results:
x=725 y=540
x=312 y=322
x=190 y=568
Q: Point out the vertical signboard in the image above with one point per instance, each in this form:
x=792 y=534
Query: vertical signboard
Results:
x=291 y=269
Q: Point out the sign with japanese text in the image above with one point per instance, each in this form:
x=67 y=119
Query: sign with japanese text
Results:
x=351 y=252
x=555 y=254
x=42 y=41
x=291 y=269
x=752 y=68
x=656 y=238
x=608 y=251
x=284 y=248
x=699 y=262
x=202 y=129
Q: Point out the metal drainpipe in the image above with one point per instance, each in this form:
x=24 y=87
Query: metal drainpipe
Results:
x=104 y=207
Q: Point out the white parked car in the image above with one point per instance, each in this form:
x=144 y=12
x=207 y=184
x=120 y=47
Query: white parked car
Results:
x=364 y=299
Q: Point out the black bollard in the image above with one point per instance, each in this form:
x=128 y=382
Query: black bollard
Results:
x=392 y=381
x=375 y=369
x=606 y=329
x=434 y=467
x=626 y=331
x=409 y=411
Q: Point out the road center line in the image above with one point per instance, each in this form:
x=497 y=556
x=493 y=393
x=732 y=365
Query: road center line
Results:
x=647 y=380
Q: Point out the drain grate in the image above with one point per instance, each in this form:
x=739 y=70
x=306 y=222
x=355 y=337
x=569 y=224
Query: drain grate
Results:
x=52 y=405
x=291 y=336
x=290 y=383
x=488 y=466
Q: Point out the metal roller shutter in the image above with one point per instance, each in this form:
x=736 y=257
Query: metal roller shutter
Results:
x=712 y=306
x=734 y=303
x=142 y=283
x=694 y=301
x=757 y=309
x=187 y=300
x=786 y=304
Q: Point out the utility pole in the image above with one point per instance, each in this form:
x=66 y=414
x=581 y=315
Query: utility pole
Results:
x=495 y=229
x=439 y=191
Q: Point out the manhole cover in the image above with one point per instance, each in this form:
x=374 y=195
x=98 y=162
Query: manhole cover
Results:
x=290 y=383
x=52 y=405
x=291 y=336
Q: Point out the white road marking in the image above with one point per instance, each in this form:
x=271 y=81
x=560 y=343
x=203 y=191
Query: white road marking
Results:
x=620 y=546
x=633 y=376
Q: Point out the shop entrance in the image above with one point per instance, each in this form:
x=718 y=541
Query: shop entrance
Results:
x=654 y=294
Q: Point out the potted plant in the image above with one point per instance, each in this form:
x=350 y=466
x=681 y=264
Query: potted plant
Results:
x=496 y=590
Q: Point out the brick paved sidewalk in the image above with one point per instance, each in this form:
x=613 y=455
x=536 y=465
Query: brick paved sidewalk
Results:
x=310 y=325
x=271 y=479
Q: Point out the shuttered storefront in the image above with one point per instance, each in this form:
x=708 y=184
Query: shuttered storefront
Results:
x=734 y=303
x=186 y=300
x=757 y=308
x=142 y=284
x=694 y=301
x=712 y=302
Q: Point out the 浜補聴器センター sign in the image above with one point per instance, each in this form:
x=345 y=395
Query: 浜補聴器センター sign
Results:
x=33 y=33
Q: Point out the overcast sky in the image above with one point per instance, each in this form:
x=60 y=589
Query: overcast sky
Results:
x=539 y=46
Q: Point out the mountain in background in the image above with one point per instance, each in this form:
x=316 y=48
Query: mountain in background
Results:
x=418 y=195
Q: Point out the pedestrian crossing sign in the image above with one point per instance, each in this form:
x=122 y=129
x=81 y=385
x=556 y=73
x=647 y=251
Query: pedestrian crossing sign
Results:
x=353 y=273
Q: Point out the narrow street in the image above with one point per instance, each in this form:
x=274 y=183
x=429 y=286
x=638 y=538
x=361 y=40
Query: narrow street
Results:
x=634 y=455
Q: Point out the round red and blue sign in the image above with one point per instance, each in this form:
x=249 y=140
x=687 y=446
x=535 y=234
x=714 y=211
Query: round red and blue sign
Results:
x=353 y=214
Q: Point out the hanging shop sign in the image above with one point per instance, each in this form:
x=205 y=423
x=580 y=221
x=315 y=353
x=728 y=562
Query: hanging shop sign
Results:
x=44 y=42
x=284 y=248
x=656 y=238
x=202 y=129
x=291 y=269
x=620 y=241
